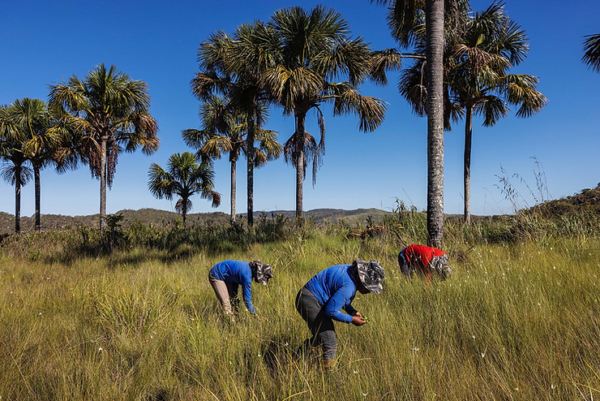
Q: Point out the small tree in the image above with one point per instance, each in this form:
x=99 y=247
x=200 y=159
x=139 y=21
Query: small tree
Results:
x=183 y=178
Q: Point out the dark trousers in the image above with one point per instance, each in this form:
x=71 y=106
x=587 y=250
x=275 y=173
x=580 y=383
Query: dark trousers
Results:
x=321 y=326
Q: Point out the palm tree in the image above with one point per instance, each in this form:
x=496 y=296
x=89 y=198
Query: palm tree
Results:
x=592 y=52
x=15 y=172
x=224 y=70
x=476 y=78
x=42 y=137
x=407 y=18
x=309 y=50
x=13 y=169
x=111 y=110
x=224 y=130
x=184 y=178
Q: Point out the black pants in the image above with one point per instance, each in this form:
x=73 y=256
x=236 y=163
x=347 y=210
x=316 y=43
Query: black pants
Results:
x=321 y=326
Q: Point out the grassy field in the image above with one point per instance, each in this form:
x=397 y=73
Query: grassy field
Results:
x=517 y=321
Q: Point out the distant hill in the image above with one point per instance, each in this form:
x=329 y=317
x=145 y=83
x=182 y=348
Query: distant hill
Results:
x=587 y=201
x=163 y=218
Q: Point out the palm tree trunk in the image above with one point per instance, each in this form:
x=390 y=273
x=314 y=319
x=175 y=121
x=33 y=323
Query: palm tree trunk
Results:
x=36 y=175
x=250 y=157
x=435 y=122
x=467 y=164
x=184 y=212
x=18 y=202
x=300 y=125
x=103 y=184
x=233 y=188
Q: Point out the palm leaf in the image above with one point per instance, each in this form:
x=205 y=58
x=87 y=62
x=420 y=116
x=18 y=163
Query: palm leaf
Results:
x=591 y=47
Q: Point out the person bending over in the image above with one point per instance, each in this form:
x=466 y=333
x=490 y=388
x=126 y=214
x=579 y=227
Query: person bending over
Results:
x=226 y=276
x=424 y=260
x=319 y=302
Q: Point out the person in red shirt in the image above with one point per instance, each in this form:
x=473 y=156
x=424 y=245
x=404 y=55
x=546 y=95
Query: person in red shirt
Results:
x=424 y=260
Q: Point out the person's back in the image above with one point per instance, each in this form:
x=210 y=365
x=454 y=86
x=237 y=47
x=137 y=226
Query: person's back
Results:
x=327 y=282
x=424 y=260
x=233 y=271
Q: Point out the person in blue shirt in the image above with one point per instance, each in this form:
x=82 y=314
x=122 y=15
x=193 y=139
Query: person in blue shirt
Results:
x=320 y=300
x=226 y=276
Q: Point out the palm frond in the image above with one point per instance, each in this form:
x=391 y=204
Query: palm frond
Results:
x=215 y=145
x=370 y=110
x=269 y=145
x=406 y=20
x=591 y=48
x=413 y=87
x=290 y=86
x=383 y=61
x=343 y=57
x=290 y=149
x=13 y=169
x=492 y=108
x=183 y=206
x=160 y=183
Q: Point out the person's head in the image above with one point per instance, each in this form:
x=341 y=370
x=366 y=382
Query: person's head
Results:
x=441 y=267
x=261 y=273
x=370 y=275
x=445 y=271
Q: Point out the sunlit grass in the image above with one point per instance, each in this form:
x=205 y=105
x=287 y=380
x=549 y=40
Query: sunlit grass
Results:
x=517 y=321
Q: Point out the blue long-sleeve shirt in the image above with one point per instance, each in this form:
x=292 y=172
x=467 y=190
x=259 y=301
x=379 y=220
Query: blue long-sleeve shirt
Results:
x=335 y=289
x=235 y=271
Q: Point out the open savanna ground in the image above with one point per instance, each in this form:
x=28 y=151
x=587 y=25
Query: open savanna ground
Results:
x=518 y=320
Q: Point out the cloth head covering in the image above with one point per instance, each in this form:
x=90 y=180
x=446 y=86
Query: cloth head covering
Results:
x=370 y=274
x=262 y=272
x=440 y=265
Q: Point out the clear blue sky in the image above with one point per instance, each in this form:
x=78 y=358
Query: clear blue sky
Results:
x=44 y=42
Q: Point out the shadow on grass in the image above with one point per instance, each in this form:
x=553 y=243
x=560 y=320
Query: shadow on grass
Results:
x=158 y=394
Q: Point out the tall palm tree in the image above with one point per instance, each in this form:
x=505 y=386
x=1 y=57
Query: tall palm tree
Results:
x=309 y=50
x=112 y=112
x=41 y=140
x=13 y=169
x=591 y=57
x=477 y=81
x=224 y=70
x=408 y=19
x=184 y=178
x=224 y=130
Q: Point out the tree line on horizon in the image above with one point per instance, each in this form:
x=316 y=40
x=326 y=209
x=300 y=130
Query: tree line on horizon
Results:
x=461 y=63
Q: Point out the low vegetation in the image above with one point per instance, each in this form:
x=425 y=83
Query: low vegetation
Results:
x=129 y=313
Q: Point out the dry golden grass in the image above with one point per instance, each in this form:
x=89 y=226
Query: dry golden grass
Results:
x=515 y=322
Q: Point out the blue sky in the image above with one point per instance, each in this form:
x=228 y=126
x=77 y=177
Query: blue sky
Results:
x=44 y=42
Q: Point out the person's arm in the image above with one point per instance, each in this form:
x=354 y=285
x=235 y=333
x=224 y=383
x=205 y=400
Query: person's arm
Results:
x=350 y=310
x=337 y=302
x=247 y=293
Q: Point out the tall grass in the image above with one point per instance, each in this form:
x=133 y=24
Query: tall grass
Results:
x=518 y=320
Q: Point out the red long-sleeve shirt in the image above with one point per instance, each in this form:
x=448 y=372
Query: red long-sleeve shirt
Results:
x=419 y=256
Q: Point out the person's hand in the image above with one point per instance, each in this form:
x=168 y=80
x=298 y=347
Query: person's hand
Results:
x=357 y=313
x=358 y=320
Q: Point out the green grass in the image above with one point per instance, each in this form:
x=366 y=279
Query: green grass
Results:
x=516 y=321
